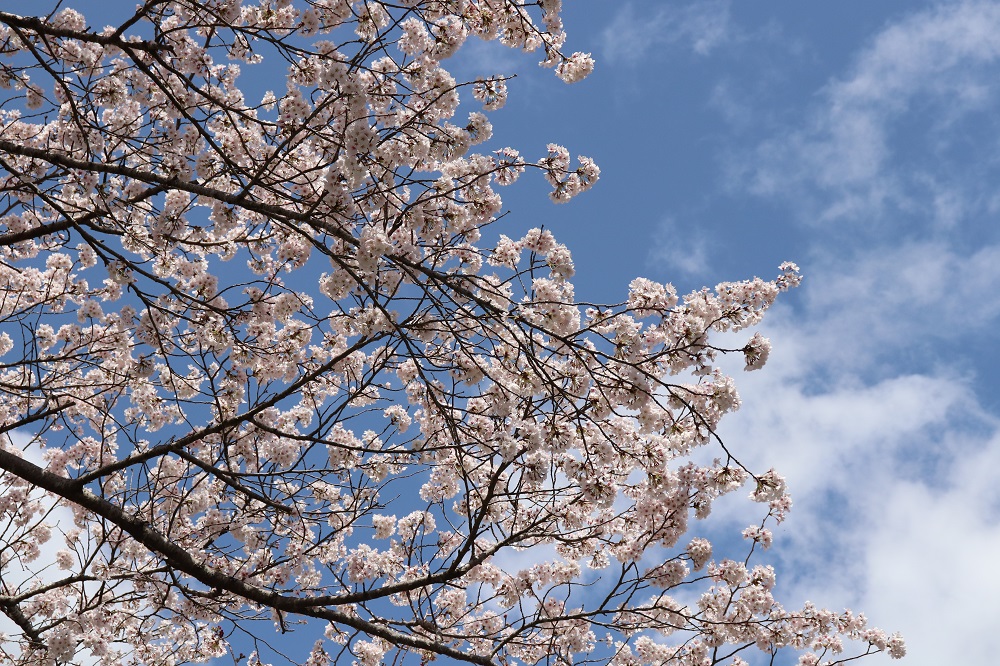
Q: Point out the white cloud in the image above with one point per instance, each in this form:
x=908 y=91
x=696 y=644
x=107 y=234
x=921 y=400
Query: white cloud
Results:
x=927 y=558
x=897 y=509
x=730 y=102
x=19 y=577
x=912 y=295
x=700 y=26
x=849 y=157
x=679 y=251
x=868 y=404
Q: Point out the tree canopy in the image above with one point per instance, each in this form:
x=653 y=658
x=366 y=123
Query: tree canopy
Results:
x=265 y=358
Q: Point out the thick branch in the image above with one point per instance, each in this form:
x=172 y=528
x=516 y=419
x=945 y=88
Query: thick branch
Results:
x=171 y=182
x=41 y=27
x=13 y=611
x=183 y=561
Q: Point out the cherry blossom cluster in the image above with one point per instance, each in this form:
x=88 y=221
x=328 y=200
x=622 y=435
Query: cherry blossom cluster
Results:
x=277 y=368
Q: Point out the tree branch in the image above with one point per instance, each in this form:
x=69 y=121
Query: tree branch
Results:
x=183 y=561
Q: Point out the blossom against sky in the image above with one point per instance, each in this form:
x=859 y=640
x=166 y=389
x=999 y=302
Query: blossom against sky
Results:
x=858 y=140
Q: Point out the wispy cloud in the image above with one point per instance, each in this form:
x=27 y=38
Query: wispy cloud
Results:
x=869 y=402
x=680 y=251
x=848 y=158
x=892 y=516
x=893 y=471
x=914 y=296
x=700 y=26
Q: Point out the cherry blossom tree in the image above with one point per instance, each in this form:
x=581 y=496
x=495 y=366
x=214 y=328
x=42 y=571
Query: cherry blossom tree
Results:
x=276 y=374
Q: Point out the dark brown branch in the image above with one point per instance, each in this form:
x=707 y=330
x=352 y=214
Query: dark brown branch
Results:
x=181 y=560
x=13 y=611
x=42 y=27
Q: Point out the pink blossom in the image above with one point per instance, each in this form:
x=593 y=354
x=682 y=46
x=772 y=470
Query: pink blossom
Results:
x=295 y=363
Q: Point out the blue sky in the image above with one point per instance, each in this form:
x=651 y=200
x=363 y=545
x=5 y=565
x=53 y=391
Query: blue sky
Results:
x=859 y=140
